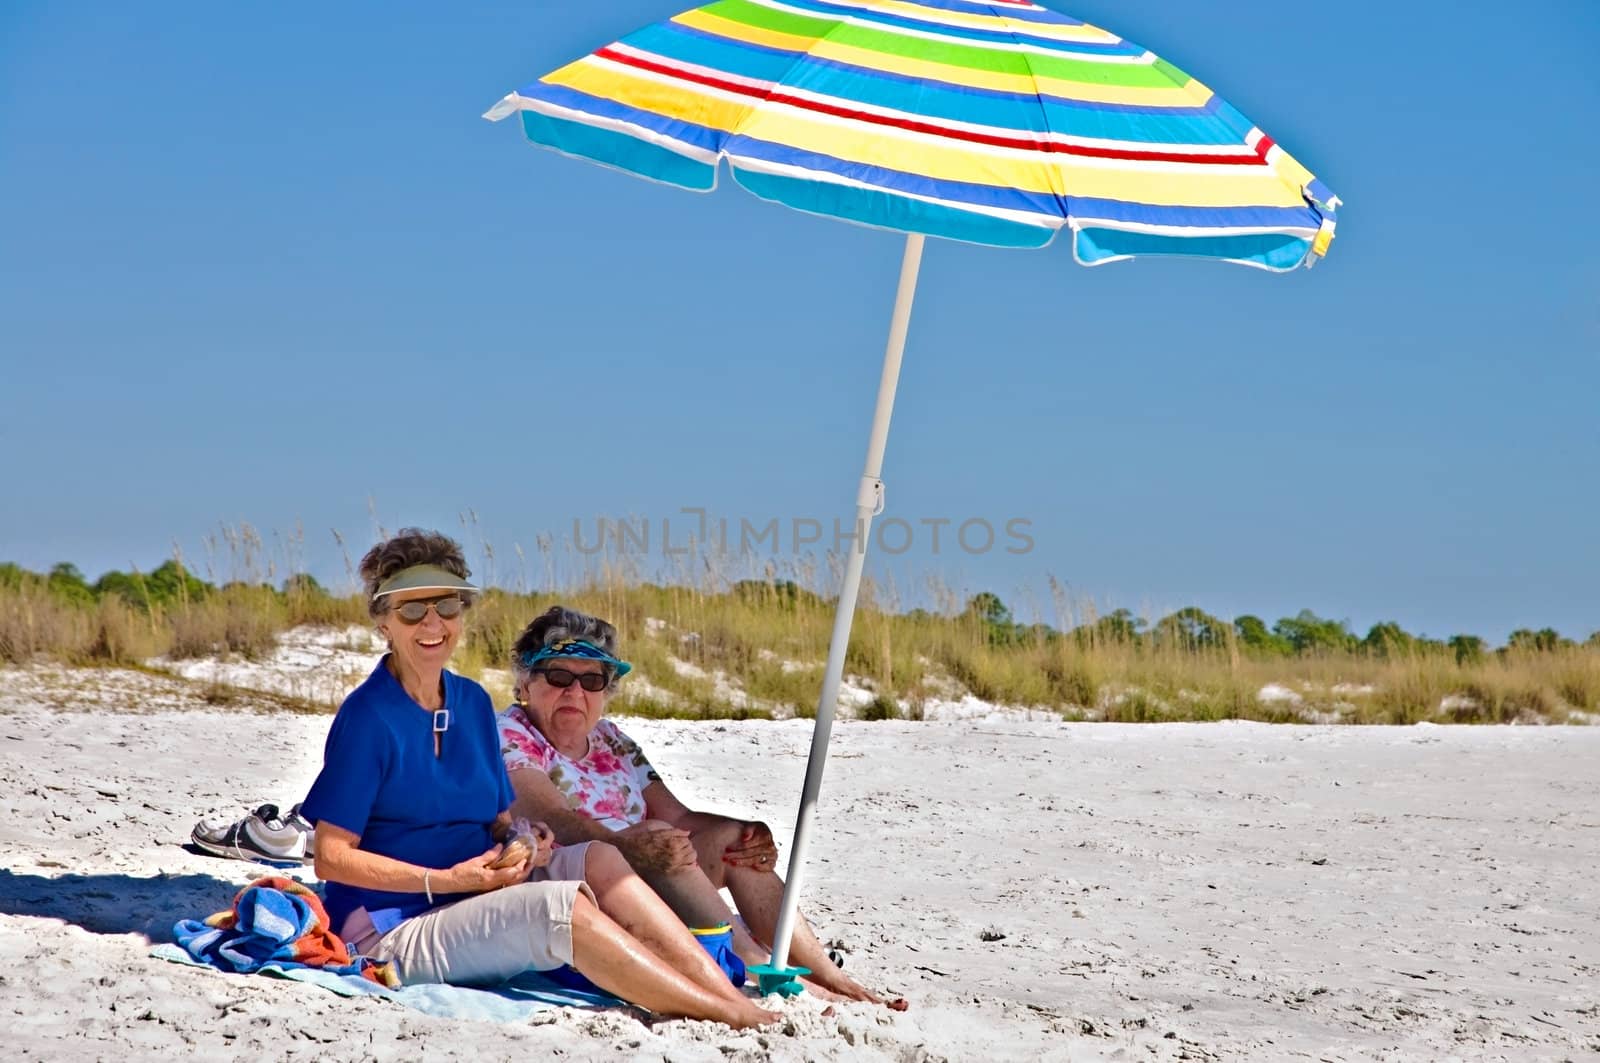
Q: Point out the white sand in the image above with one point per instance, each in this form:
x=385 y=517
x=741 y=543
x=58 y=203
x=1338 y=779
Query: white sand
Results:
x=1163 y=891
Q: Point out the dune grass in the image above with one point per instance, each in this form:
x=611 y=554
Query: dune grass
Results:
x=717 y=647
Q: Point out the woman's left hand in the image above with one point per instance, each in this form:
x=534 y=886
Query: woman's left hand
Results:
x=754 y=849
x=544 y=850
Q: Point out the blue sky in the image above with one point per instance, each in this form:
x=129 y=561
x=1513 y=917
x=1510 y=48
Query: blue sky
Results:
x=265 y=264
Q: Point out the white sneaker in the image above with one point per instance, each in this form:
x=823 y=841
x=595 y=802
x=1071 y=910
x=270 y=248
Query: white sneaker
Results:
x=264 y=836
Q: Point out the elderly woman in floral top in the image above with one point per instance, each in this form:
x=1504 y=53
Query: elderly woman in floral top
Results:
x=580 y=773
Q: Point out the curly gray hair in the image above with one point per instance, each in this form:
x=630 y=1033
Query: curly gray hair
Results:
x=557 y=624
x=410 y=546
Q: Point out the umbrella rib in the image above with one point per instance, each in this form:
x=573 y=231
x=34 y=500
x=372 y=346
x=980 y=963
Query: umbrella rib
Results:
x=775 y=91
x=777 y=84
x=772 y=94
x=1044 y=113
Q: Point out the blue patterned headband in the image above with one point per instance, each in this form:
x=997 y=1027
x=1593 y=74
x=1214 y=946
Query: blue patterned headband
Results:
x=580 y=650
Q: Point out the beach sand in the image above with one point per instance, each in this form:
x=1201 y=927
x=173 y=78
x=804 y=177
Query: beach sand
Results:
x=1037 y=890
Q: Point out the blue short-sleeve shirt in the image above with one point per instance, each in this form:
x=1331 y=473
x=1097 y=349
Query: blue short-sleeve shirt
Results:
x=380 y=780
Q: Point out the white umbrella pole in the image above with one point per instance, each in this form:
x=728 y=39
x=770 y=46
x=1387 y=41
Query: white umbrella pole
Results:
x=869 y=502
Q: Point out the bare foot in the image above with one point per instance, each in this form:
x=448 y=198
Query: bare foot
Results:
x=823 y=993
x=750 y=1014
x=844 y=990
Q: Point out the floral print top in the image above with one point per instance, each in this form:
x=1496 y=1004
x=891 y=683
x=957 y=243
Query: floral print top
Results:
x=607 y=784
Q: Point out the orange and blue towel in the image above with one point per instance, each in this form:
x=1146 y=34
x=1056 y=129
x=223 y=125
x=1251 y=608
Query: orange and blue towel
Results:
x=276 y=921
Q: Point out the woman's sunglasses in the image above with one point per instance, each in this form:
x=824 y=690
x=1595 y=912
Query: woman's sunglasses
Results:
x=561 y=679
x=413 y=611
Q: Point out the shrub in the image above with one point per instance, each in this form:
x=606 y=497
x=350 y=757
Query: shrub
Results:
x=769 y=680
x=241 y=618
x=1072 y=681
x=1468 y=649
x=1504 y=702
x=34 y=622
x=879 y=708
x=1137 y=706
x=122 y=634
x=1577 y=680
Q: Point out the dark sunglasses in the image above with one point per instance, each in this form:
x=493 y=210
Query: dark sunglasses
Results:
x=561 y=679
x=412 y=612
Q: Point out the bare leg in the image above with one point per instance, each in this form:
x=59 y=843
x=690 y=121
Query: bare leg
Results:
x=759 y=897
x=690 y=894
x=626 y=898
x=696 y=901
x=611 y=958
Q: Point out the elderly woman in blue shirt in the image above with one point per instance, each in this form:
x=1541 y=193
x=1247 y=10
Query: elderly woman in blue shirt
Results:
x=413 y=802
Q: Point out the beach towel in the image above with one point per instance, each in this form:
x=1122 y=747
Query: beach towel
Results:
x=510 y=1001
x=277 y=921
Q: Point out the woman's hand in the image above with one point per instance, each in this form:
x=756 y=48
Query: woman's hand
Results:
x=474 y=875
x=546 y=843
x=536 y=837
x=755 y=848
x=650 y=847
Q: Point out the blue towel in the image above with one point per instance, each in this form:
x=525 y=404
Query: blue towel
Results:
x=511 y=1001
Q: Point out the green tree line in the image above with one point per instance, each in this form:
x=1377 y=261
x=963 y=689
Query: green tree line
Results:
x=1304 y=634
x=168 y=585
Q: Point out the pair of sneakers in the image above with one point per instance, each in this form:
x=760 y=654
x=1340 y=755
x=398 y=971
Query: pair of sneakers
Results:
x=267 y=836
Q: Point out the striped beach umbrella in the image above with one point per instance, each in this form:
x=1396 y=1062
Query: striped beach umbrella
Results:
x=997 y=123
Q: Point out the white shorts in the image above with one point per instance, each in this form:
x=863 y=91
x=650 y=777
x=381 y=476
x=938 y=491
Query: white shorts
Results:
x=487 y=938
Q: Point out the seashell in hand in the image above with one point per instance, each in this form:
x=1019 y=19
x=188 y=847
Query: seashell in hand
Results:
x=515 y=852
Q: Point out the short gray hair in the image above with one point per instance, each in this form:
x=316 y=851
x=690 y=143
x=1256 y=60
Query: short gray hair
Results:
x=557 y=624
x=410 y=546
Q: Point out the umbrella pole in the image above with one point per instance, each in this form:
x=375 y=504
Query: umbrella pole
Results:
x=778 y=976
